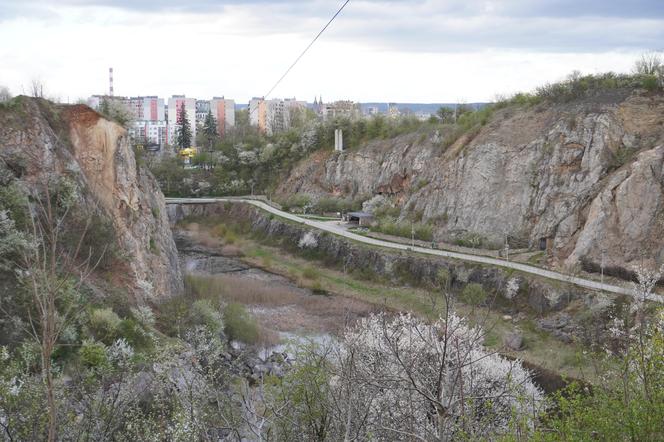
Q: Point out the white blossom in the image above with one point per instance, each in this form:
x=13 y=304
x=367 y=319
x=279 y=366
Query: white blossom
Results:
x=120 y=352
x=144 y=315
x=15 y=386
x=511 y=288
x=646 y=280
x=308 y=241
x=435 y=379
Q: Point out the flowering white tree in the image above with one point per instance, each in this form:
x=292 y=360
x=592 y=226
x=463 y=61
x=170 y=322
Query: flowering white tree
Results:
x=308 y=241
x=511 y=288
x=404 y=379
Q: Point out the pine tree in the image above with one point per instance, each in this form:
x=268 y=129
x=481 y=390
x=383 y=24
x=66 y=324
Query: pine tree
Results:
x=210 y=130
x=183 y=139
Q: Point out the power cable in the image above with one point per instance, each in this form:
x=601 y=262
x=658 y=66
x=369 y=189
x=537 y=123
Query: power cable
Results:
x=305 y=50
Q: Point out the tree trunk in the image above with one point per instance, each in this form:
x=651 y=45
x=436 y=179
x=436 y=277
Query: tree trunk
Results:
x=50 y=397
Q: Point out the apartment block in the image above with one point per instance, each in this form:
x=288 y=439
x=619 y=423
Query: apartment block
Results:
x=149 y=108
x=223 y=110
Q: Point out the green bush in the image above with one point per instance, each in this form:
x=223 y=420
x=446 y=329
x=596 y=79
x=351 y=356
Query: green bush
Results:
x=387 y=211
x=14 y=200
x=473 y=294
x=134 y=334
x=331 y=204
x=423 y=232
x=204 y=313
x=93 y=354
x=174 y=313
x=578 y=86
x=104 y=324
x=239 y=325
x=297 y=200
x=650 y=82
x=99 y=240
x=470 y=239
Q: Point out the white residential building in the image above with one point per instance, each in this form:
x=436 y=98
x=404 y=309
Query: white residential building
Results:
x=150 y=132
x=149 y=108
x=272 y=116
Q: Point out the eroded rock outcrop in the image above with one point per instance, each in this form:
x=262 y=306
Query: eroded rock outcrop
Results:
x=94 y=153
x=581 y=179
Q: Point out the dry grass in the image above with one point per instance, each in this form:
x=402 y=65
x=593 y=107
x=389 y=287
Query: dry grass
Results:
x=280 y=306
x=202 y=235
x=232 y=251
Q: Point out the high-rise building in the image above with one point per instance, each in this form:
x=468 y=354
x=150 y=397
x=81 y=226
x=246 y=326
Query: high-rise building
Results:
x=272 y=116
x=149 y=108
x=341 y=108
x=257 y=113
x=175 y=103
x=223 y=110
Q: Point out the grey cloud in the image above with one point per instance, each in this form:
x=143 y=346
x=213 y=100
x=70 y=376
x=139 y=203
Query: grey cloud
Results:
x=428 y=25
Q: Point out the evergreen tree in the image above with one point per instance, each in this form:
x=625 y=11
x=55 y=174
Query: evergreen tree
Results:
x=210 y=130
x=183 y=139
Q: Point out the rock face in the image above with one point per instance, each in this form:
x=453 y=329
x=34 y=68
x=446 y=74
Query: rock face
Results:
x=94 y=153
x=576 y=179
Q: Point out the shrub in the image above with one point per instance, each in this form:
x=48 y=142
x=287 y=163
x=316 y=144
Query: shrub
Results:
x=173 y=314
x=93 y=354
x=470 y=239
x=297 y=200
x=239 y=325
x=205 y=314
x=99 y=241
x=650 y=82
x=473 y=294
x=104 y=324
x=420 y=231
x=134 y=334
x=230 y=237
x=143 y=315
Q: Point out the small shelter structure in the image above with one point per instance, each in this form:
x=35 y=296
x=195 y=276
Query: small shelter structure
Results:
x=360 y=218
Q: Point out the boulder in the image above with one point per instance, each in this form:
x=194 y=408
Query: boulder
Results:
x=514 y=341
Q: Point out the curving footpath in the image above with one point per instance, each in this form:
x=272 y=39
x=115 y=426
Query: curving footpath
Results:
x=581 y=282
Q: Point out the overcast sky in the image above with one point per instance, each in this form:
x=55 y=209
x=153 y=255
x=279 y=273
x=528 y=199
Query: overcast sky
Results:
x=376 y=50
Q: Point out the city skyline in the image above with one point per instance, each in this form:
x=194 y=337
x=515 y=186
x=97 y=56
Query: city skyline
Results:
x=376 y=51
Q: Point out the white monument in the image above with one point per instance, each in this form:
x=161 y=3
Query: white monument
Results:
x=338 y=140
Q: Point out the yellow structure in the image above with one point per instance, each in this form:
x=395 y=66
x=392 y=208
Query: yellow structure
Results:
x=188 y=152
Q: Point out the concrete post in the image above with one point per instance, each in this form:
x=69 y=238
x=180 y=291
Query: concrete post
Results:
x=338 y=140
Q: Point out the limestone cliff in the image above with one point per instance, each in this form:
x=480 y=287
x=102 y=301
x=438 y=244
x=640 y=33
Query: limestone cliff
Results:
x=576 y=178
x=93 y=152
